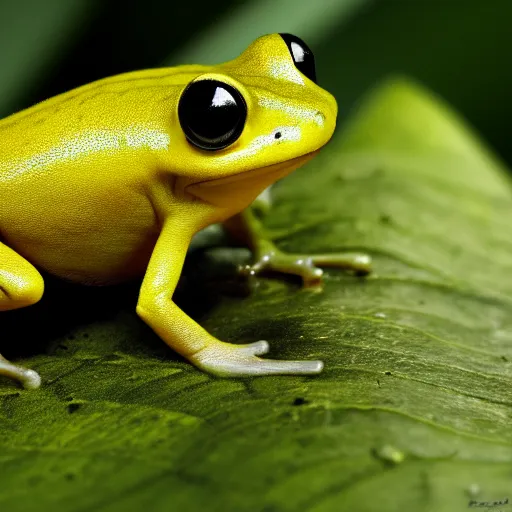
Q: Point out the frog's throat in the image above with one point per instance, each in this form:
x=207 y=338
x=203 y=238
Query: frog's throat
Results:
x=240 y=190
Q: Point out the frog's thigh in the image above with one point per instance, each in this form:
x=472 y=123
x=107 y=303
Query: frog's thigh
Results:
x=20 y=285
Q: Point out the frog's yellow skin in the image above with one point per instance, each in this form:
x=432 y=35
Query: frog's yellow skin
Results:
x=100 y=185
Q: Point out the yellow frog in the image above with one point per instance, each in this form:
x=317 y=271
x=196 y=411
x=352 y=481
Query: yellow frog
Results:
x=111 y=180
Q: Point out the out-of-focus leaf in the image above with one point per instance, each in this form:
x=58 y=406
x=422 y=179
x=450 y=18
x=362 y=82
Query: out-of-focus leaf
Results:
x=32 y=34
x=460 y=50
x=413 y=410
x=228 y=37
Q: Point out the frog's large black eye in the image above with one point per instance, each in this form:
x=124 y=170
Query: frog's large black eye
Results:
x=212 y=114
x=302 y=55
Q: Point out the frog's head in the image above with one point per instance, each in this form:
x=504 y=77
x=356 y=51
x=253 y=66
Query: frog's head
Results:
x=248 y=122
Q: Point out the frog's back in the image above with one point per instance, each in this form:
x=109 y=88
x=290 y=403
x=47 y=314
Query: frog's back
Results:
x=91 y=113
x=71 y=168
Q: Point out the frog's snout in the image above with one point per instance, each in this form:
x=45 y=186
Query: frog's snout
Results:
x=332 y=105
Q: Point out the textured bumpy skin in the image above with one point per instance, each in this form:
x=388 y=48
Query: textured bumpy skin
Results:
x=99 y=185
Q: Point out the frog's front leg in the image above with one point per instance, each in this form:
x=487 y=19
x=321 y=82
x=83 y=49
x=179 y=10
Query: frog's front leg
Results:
x=267 y=257
x=181 y=333
x=20 y=285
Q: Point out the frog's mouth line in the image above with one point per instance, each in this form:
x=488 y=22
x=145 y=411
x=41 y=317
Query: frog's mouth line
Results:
x=243 y=188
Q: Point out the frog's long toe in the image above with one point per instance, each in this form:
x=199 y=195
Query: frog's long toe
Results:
x=358 y=262
x=276 y=261
x=28 y=378
x=305 y=266
x=226 y=360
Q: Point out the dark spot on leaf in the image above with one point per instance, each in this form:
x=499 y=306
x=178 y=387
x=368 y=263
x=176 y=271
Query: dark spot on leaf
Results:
x=34 y=480
x=504 y=358
x=192 y=478
x=378 y=383
x=385 y=219
x=300 y=401
x=69 y=476
x=387 y=373
x=277 y=135
x=269 y=508
x=73 y=408
x=111 y=357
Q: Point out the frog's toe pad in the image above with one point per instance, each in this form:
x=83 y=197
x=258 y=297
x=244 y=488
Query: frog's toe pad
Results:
x=28 y=378
x=226 y=360
x=31 y=380
x=257 y=348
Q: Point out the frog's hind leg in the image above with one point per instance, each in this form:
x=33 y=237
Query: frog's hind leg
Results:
x=267 y=257
x=20 y=285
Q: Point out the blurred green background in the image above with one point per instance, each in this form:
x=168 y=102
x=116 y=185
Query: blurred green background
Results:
x=458 y=48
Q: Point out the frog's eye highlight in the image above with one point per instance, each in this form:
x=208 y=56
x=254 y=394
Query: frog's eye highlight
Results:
x=212 y=114
x=301 y=54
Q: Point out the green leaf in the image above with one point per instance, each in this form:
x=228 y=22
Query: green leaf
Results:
x=413 y=410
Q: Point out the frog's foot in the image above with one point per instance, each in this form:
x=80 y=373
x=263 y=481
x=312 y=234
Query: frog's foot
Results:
x=305 y=266
x=28 y=378
x=228 y=360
